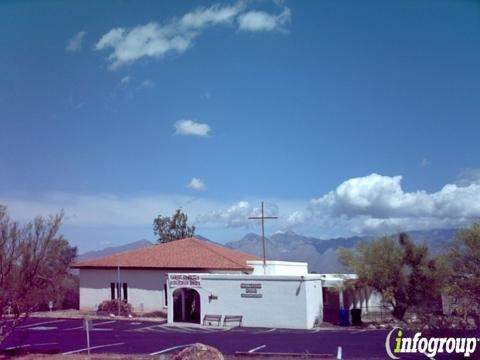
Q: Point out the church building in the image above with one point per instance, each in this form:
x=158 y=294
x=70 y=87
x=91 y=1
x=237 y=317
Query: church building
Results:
x=201 y=282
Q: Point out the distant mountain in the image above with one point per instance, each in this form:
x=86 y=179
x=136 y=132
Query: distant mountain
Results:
x=436 y=239
x=114 y=250
x=321 y=254
x=288 y=246
x=118 y=249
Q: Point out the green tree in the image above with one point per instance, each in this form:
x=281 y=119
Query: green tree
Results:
x=400 y=270
x=172 y=228
x=462 y=281
x=34 y=262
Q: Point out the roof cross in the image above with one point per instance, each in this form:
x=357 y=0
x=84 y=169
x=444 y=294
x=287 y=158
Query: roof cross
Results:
x=263 y=217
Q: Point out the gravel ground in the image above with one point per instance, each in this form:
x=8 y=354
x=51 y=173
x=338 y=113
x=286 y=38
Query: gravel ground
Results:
x=76 y=314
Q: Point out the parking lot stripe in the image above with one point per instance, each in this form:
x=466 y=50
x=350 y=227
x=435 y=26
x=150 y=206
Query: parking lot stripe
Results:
x=169 y=349
x=143 y=328
x=217 y=329
x=257 y=348
x=93 y=325
x=91 y=348
x=179 y=329
x=266 y=331
x=41 y=323
x=29 y=345
x=104 y=323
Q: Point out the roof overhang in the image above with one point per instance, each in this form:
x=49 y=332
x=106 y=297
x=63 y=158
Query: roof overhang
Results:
x=170 y=269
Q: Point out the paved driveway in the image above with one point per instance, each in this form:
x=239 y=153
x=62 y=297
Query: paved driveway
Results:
x=137 y=337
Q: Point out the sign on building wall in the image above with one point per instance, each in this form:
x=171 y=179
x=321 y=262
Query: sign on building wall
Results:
x=251 y=290
x=182 y=280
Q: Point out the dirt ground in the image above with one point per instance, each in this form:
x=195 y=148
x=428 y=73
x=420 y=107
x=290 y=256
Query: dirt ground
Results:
x=82 y=357
x=76 y=314
x=140 y=357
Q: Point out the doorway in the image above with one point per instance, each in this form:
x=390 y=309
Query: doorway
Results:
x=186 y=305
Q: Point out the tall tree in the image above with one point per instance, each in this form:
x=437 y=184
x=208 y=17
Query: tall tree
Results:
x=401 y=271
x=34 y=261
x=462 y=282
x=172 y=228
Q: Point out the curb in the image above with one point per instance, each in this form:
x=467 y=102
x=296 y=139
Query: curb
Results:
x=294 y=355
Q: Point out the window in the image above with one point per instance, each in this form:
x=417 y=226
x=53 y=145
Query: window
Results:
x=125 y=292
x=112 y=291
x=165 y=294
x=119 y=287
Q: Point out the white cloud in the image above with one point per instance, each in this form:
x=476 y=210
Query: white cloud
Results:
x=155 y=40
x=257 y=21
x=214 y=15
x=237 y=215
x=75 y=43
x=113 y=211
x=379 y=203
x=295 y=218
x=148 y=84
x=424 y=163
x=468 y=176
x=143 y=41
x=365 y=205
x=191 y=127
x=104 y=210
x=197 y=184
x=125 y=80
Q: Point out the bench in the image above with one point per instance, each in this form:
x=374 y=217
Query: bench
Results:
x=212 y=318
x=233 y=318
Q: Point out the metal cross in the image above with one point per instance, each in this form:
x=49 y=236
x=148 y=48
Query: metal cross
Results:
x=263 y=217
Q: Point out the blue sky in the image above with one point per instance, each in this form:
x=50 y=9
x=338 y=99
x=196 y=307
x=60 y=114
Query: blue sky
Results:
x=346 y=117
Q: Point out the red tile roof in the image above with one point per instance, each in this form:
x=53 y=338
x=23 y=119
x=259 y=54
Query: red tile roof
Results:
x=188 y=253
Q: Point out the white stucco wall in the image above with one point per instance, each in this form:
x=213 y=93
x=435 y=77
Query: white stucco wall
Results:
x=144 y=287
x=278 y=267
x=314 y=302
x=286 y=302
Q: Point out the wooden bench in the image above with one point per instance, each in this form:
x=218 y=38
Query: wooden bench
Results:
x=233 y=318
x=212 y=318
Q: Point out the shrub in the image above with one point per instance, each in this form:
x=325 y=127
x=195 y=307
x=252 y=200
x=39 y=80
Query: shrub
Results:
x=108 y=307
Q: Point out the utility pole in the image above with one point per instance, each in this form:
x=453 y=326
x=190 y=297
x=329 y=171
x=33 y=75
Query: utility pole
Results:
x=119 y=285
x=263 y=217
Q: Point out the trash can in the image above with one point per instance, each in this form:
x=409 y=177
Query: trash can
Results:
x=344 y=317
x=356 y=316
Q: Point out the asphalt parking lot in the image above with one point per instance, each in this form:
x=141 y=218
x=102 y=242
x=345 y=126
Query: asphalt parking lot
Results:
x=67 y=336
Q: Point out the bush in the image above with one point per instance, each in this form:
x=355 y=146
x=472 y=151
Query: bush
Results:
x=65 y=297
x=108 y=307
x=70 y=292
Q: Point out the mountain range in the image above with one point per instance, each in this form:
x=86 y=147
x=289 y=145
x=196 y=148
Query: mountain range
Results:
x=113 y=250
x=320 y=254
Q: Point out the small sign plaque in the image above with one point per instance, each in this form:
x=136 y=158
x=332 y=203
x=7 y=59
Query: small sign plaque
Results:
x=181 y=280
x=250 y=286
x=251 y=295
x=251 y=290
